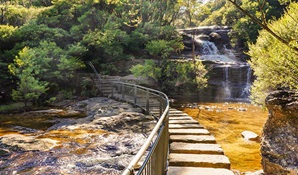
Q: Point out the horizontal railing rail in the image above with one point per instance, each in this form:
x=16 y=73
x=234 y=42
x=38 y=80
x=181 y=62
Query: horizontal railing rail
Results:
x=153 y=102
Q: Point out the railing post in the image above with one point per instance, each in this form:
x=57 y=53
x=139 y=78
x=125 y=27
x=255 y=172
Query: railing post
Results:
x=135 y=94
x=147 y=101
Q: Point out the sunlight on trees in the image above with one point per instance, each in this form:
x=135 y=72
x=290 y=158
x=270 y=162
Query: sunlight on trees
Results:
x=30 y=88
x=274 y=64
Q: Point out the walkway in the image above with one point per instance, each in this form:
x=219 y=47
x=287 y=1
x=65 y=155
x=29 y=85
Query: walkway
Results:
x=193 y=150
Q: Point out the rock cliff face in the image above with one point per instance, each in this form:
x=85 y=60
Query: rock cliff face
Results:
x=279 y=146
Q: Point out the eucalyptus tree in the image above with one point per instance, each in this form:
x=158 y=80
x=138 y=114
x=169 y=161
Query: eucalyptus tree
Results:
x=261 y=20
x=274 y=64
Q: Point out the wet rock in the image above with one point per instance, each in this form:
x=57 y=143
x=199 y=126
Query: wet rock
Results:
x=4 y=152
x=260 y=172
x=242 y=109
x=28 y=143
x=104 y=142
x=215 y=36
x=25 y=130
x=56 y=113
x=279 y=147
x=251 y=136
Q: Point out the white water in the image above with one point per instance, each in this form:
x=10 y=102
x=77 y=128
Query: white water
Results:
x=225 y=84
x=210 y=52
x=246 y=90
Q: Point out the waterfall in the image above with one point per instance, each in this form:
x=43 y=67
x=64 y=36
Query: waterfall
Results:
x=208 y=48
x=210 y=52
x=226 y=86
x=246 y=90
x=229 y=77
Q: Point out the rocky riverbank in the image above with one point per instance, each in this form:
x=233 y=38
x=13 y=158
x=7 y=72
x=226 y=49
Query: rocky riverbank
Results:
x=279 y=147
x=102 y=142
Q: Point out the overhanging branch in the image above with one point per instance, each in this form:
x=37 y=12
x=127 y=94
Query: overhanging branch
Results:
x=264 y=26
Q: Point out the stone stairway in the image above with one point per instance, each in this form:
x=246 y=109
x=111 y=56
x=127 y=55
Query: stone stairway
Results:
x=193 y=150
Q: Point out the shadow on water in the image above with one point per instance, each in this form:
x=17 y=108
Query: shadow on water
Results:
x=15 y=123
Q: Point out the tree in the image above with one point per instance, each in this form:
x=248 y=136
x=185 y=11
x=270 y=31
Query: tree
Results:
x=263 y=23
x=190 y=8
x=44 y=68
x=30 y=88
x=275 y=65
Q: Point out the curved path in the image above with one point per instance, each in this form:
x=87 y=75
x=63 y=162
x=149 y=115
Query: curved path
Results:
x=193 y=150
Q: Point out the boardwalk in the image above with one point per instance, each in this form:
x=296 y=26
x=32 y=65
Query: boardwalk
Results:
x=193 y=150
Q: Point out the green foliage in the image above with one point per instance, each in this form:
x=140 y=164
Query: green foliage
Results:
x=30 y=88
x=186 y=75
x=32 y=34
x=159 y=49
x=11 y=107
x=6 y=40
x=245 y=30
x=6 y=31
x=173 y=75
x=61 y=34
x=148 y=70
x=17 y=15
x=55 y=63
x=275 y=64
x=36 y=68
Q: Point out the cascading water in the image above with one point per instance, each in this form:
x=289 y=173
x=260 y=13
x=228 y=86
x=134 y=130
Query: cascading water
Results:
x=229 y=78
x=226 y=86
x=208 y=48
x=246 y=90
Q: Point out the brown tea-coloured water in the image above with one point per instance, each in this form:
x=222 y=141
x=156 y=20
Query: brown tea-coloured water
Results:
x=226 y=121
x=103 y=142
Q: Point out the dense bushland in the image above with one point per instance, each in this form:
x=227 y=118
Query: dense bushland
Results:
x=44 y=43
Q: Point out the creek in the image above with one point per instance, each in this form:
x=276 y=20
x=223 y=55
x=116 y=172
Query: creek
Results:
x=224 y=107
x=226 y=121
x=103 y=141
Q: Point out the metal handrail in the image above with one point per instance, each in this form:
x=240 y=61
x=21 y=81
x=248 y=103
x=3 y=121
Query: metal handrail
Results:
x=158 y=141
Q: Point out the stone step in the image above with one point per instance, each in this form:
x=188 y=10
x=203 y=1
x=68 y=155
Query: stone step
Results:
x=195 y=148
x=180 y=118
x=193 y=138
x=189 y=132
x=183 y=121
x=173 y=109
x=199 y=160
x=178 y=115
x=172 y=170
x=184 y=126
x=176 y=112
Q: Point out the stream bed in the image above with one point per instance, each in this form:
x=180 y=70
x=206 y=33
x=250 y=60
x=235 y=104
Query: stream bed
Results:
x=226 y=121
x=103 y=141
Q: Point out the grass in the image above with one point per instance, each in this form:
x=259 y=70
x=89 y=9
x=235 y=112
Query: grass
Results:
x=226 y=122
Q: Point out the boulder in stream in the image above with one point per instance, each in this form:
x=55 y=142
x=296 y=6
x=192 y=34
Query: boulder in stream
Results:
x=249 y=135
